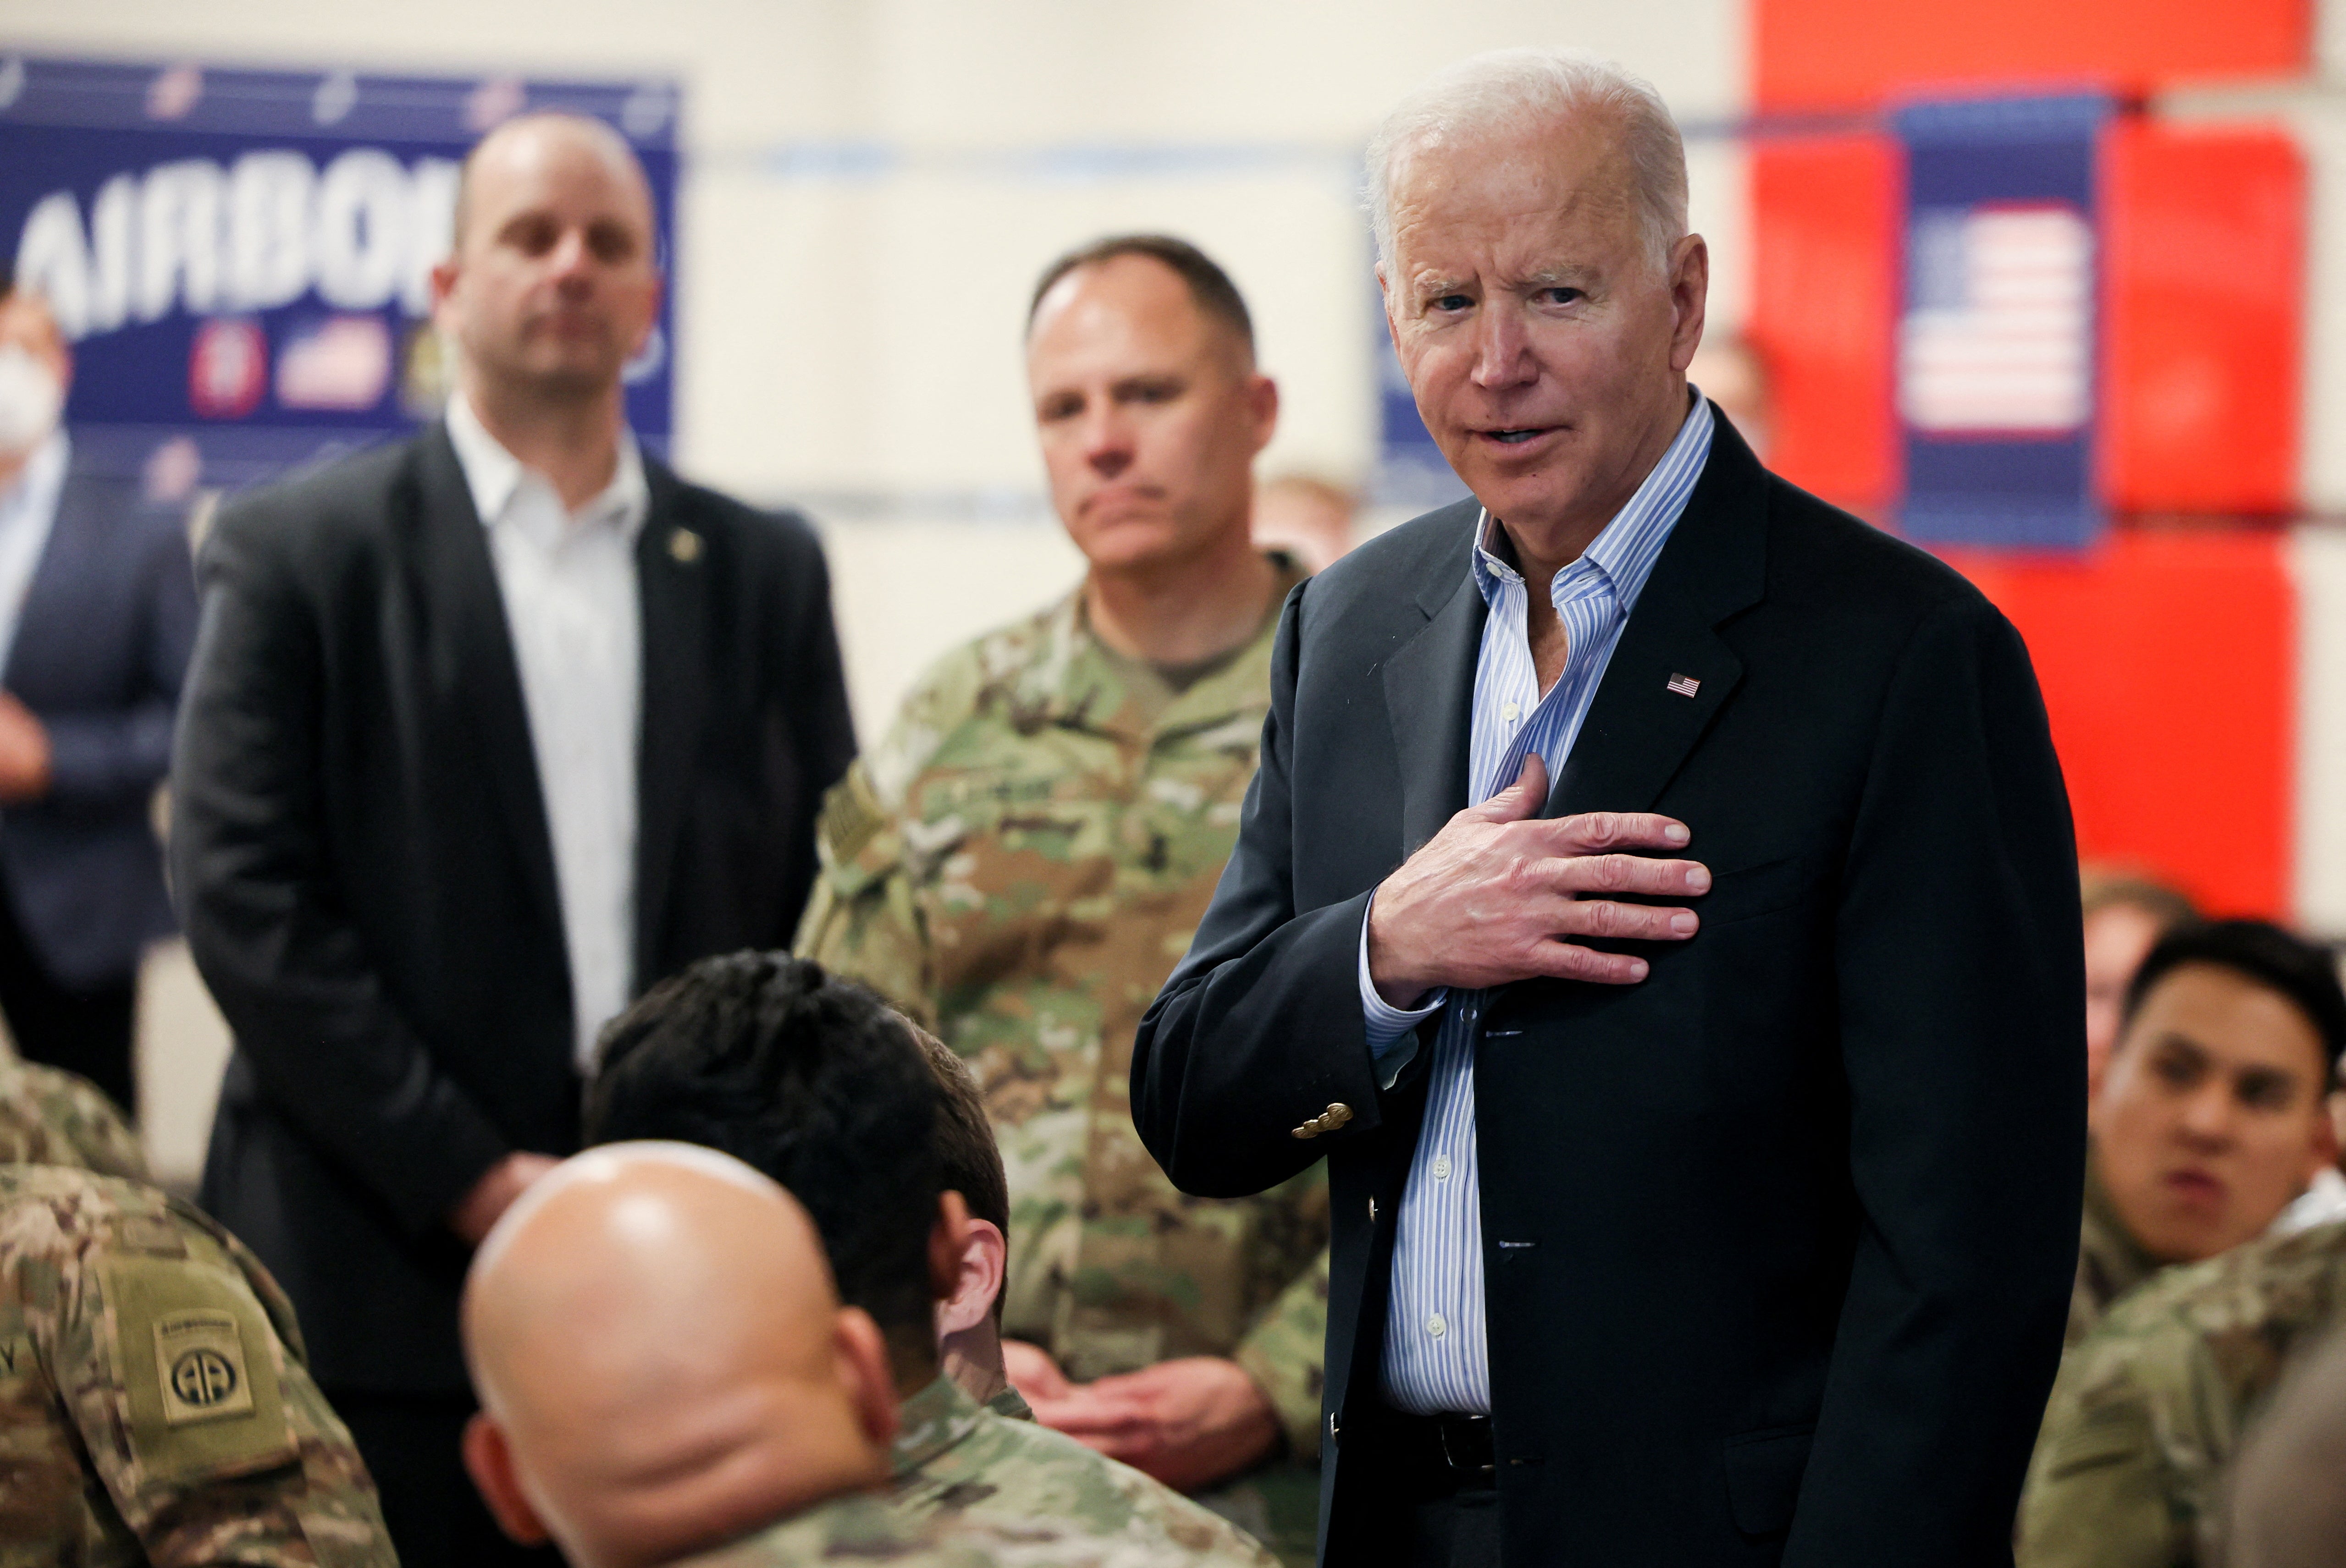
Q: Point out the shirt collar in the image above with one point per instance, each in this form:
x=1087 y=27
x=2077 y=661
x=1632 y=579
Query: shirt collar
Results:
x=41 y=479
x=1626 y=549
x=930 y=1422
x=493 y=474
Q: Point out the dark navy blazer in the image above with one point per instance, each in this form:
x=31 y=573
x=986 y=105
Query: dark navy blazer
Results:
x=101 y=648
x=1777 y=1244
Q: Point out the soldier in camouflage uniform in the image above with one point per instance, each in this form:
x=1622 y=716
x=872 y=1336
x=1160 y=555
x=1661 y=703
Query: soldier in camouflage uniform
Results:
x=154 y=1404
x=2150 y=1411
x=50 y=1117
x=2211 y=1115
x=1024 y=859
x=956 y=1458
x=862 y=1530
x=2111 y=1262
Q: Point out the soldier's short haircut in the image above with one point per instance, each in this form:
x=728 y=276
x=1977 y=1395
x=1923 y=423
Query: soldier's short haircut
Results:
x=7 y=278
x=1210 y=288
x=2260 y=951
x=969 y=1161
x=816 y=1081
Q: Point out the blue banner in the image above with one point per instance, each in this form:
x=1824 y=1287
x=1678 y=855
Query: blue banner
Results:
x=1996 y=350
x=242 y=259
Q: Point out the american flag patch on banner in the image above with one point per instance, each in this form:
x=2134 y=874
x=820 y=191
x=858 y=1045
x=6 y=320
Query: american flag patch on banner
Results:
x=1685 y=685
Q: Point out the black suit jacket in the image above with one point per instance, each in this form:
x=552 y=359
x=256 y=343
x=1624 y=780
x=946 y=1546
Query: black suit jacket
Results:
x=364 y=868
x=1778 y=1243
x=100 y=651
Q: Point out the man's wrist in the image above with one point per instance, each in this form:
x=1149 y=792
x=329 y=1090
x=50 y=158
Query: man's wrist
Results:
x=1399 y=992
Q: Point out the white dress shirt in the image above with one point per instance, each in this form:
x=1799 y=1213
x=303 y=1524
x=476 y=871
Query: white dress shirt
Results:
x=28 y=510
x=573 y=611
x=1436 y=1351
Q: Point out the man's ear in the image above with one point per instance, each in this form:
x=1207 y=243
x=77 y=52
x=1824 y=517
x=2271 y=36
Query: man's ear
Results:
x=1262 y=403
x=948 y=1239
x=870 y=1385
x=984 y=1259
x=1690 y=266
x=489 y=1460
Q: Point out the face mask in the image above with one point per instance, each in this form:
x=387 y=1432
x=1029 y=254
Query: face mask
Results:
x=31 y=398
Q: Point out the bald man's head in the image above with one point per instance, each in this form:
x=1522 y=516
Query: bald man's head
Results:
x=661 y=1361
x=552 y=285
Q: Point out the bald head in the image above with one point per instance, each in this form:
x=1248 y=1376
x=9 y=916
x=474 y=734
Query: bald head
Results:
x=551 y=284
x=661 y=1361
x=531 y=139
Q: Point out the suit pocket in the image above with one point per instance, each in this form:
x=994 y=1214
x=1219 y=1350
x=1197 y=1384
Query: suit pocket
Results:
x=1763 y=1477
x=1753 y=891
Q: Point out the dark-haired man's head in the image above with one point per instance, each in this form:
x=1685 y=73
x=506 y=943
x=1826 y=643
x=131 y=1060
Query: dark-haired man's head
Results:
x=969 y=1320
x=1147 y=403
x=822 y=1085
x=2212 y=1112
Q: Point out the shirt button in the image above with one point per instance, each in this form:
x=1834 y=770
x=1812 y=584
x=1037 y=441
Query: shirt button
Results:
x=1508 y=712
x=1441 y=1167
x=1436 y=1327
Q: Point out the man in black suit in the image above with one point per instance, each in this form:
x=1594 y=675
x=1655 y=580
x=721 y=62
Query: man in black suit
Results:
x=487 y=732
x=1650 y=1246
x=97 y=611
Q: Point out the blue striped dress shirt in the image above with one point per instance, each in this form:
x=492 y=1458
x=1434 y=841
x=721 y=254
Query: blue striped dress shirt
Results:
x=1436 y=1354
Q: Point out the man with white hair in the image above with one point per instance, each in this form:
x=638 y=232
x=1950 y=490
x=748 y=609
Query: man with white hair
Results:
x=1714 y=1210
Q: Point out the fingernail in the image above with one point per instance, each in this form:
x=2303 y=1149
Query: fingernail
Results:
x=1683 y=924
x=1699 y=879
x=1637 y=968
x=1675 y=833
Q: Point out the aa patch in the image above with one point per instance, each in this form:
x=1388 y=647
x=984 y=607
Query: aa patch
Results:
x=192 y=1355
x=206 y=1377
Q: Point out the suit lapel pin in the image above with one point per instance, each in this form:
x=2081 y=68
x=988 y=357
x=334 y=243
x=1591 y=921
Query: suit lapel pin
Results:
x=685 y=546
x=1685 y=685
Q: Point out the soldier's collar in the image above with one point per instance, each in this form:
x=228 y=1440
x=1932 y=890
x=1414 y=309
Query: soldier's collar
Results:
x=930 y=1422
x=1074 y=681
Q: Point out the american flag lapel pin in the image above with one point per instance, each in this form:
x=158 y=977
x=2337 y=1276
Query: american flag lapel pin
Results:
x=1685 y=685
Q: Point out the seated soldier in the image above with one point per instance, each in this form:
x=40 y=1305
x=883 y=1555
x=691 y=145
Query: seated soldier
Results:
x=50 y=1116
x=667 y=1378
x=2212 y=1115
x=2150 y=1410
x=2240 y=1025
x=155 y=1406
x=823 y=1088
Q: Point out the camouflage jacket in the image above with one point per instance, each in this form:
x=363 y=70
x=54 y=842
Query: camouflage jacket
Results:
x=953 y=1456
x=154 y=1404
x=1020 y=864
x=50 y=1117
x=2149 y=1411
x=2111 y=1262
x=861 y=1529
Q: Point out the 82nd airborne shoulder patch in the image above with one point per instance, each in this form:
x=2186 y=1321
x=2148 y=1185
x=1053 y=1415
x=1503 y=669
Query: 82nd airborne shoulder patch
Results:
x=201 y=1359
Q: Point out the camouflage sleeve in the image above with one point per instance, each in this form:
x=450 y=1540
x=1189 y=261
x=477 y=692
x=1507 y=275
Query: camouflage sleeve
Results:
x=862 y=922
x=213 y=1443
x=2104 y=1488
x=1286 y=1355
x=88 y=1126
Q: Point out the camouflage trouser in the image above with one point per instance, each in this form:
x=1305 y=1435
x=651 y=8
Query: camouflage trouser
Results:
x=1278 y=1505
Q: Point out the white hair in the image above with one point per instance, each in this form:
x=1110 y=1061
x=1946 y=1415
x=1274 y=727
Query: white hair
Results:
x=1516 y=91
